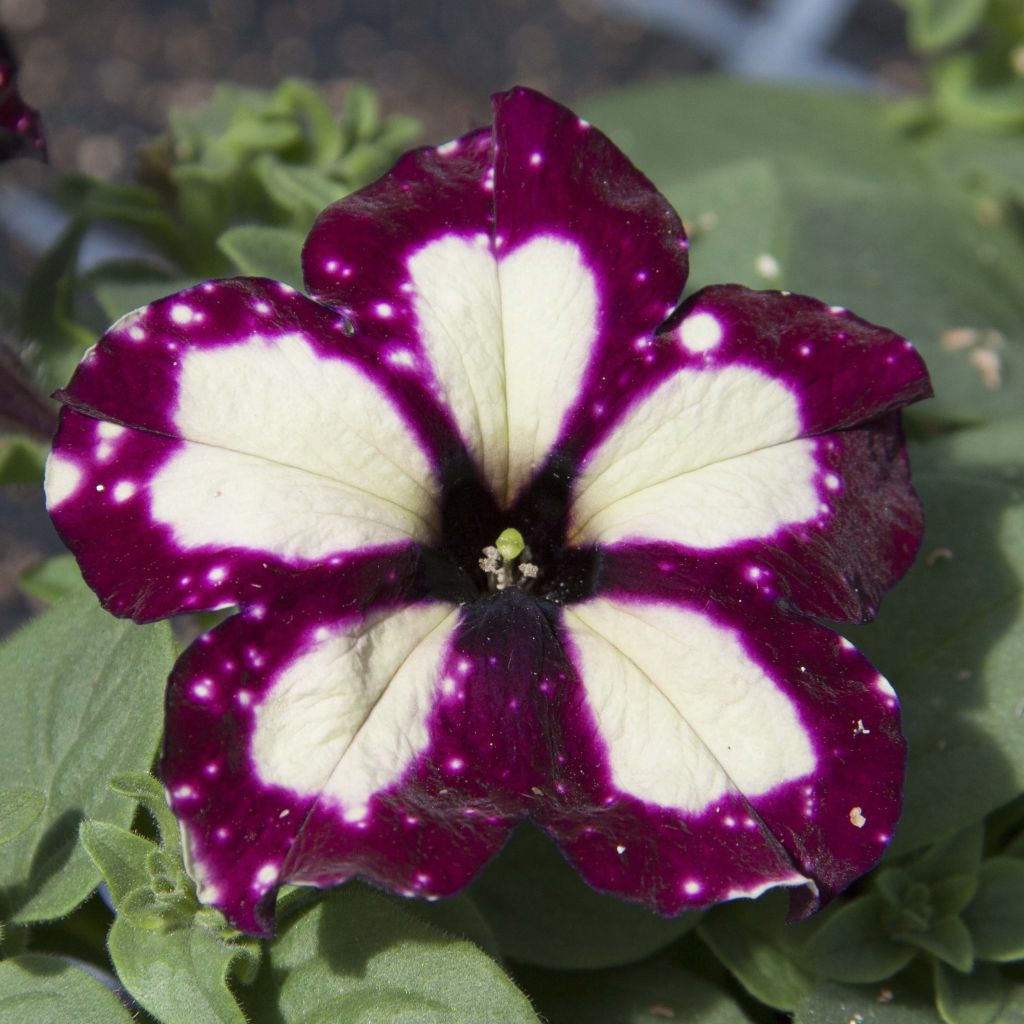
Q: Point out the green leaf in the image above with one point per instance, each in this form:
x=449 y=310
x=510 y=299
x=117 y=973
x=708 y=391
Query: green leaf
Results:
x=83 y=698
x=734 y=214
x=458 y=916
x=853 y=945
x=147 y=791
x=958 y=854
x=749 y=937
x=265 y=252
x=543 y=913
x=976 y=998
x=38 y=989
x=951 y=895
x=649 y=993
x=360 y=956
x=180 y=977
x=52 y=579
x=119 y=854
x=119 y=297
x=995 y=916
x=21 y=460
x=19 y=809
x=937 y=24
x=860 y=219
x=951 y=635
x=830 y=1003
x=946 y=938
x=301 y=191
x=46 y=315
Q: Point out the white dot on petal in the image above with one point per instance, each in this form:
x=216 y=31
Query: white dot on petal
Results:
x=212 y=768
x=103 y=451
x=183 y=792
x=181 y=314
x=356 y=813
x=222 y=833
x=267 y=874
x=383 y=310
x=729 y=821
x=101 y=488
x=124 y=490
x=109 y=431
x=620 y=850
x=136 y=333
x=331 y=266
x=691 y=888
x=536 y=159
x=244 y=697
x=456 y=763
x=261 y=307
x=216 y=574
x=700 y=332
x=832 y=481
x=321 y=633
x=448 y=686
x=202 y=689
x=402 y=357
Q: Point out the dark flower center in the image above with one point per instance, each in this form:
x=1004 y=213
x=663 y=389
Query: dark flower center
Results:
x=477 y=559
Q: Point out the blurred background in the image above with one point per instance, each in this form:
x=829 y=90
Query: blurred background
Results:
x=105 y=73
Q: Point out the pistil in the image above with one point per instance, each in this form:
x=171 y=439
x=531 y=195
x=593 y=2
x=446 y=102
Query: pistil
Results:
x=506 y=563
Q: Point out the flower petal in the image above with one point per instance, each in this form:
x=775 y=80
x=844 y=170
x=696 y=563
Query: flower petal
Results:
x=507 y=271
x=739 y=754
x=317 y=742
x=730 y=448
x=226 y=435
x=21 y=131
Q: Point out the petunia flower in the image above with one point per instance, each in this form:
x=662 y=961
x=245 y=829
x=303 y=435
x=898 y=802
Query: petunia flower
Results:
x=511 y=534
x=21 y=132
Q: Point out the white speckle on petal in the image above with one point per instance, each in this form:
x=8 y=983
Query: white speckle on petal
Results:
x=832 y=481
x=109 y=431
x=182 y=314
x=536 y=159
x=456 y=764
x=136 y=333
x=700 y=332
x=216 y=574
x=124 y=490
x=183 y=792
x=261 y=307
x=267 y=874
x=356 y=813
x=402 y=357
x=620 y=850
x=62 y=479
x=384 y=310
x=692 y=887
x=100 y=488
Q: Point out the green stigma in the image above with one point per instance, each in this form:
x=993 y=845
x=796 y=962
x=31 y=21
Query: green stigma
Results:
x=510 y=544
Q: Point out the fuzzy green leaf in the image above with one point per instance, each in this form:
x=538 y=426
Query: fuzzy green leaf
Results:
x=830 y=1003
x=951 y=636
x=83 y=698
x=19 y=809
x=995 y=917
x=21 y=460
x=265 y=252
x=300 y=191
x=976 y=998
x=936 y=24
x=360 y=956
x=119 y=854
x=52 y=579
x=853 y=945
x=180 y=977
x=147 y=791
x=946 y=938
x=38 y=989
x=543 y=913
x=750 y=938
x=652 y=992
x=958 y=854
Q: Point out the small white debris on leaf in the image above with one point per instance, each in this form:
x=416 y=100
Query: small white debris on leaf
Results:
x=938 y=555
x=857 y=819
x=982 y=348
x=767 y=266
x=989 y=364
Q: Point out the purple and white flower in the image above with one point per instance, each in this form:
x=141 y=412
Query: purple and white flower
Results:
x=511 y=533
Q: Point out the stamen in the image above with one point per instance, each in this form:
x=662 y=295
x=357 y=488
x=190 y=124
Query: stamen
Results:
x=499 y=562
